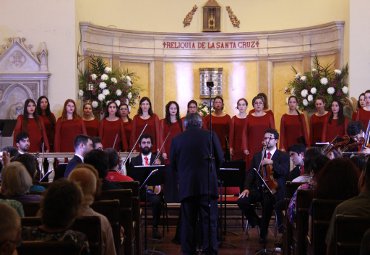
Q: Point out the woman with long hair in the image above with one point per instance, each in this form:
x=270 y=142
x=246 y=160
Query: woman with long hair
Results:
x=293 y=127
x=237 y=135
x=48 y=118
x=91 y=123
x=360 y=104
x=258 y=122
x=145 y=116
x=30 y=123
x=124 y=112
x=317 y=120
x=363 y=114
x=220 y=124
x=170 y=126
x=111 y=129
x=336 y=125
x=68 y=126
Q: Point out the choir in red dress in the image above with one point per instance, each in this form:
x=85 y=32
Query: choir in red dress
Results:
x=238 y=135
x=91 y=123
x=336 y=124
x=124 y=112
x=111 y=129
x=48 y=118
x=293 y=128
x=317 y=121
x=30 y=123
x=360 y=104
x=68 y=126
x=363 y=114
x=145 y=116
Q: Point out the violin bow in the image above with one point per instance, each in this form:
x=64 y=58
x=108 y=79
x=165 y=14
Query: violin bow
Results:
x=133 y=147
x=115 y=140
x=159 y=152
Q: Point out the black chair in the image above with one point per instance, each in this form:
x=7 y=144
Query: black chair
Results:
x=49 y=247
x=31 y=208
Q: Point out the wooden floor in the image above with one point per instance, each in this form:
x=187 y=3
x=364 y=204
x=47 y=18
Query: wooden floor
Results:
x=236 y=242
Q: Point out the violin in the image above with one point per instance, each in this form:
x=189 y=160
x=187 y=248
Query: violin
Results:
x=267 y=173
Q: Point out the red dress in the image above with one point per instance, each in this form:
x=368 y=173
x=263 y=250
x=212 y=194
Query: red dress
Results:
x=331 y=130
x=291 y=128
x=114 y=176
x=316 y=127
x=221 y=126
x=171 y=130
x=127 y=126
x=256 y=127
x=36 y=133
x=65 y=133
x=152 y=129
x=112 y=133
x=364 y=117
x=92 y=127
x=238 y=137
x=49 y=128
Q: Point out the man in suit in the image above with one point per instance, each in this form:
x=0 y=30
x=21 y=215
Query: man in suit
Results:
x=82 y=144
x=256 y=191
x=197 y=176
x=153 y=195
x=23 y=142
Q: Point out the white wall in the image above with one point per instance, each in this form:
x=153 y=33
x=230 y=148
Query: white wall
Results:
x=359 y=47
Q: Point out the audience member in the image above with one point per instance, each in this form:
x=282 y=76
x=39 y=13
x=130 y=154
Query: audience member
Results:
x=10 y=230
x=22 y=141
x=114 y=174
x=296 y=153
x=82 y=145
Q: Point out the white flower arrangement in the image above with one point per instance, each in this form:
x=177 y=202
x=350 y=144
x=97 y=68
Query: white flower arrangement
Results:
x=345 y=89
x=324 y=80
x=304 y=93
x=313 y=91
x=331 y=90
x=310 y=98
x=303 y=78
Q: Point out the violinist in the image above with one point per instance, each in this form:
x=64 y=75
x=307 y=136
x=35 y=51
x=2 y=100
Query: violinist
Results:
x=357 y=136
x=273 y=166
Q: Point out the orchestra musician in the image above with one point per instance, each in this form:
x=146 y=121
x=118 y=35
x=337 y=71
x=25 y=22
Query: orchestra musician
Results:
x=273 y=166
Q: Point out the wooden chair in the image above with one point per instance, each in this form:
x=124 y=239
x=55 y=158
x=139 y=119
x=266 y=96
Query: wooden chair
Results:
x=89 y=225
x=322 y=210
x=111 y=210
x=48 y=247
x=31 y=208
x=300 y=228
x=126 y=215
x=348 y=233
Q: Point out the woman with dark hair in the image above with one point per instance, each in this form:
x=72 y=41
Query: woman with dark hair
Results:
x=363 y=114
x=145 y=116
x=111 y=129
x=360 y=104
x=30 y=123
x=317 y=120
x=337 y=123
x=192 y=107
x=48 y=118
x=91 y=123
x=293 y=128
x=258 y=122
x=68 y=126
x=220 y=124
x=59 y=209
x=124 y=112
x=170 y=126
x=237 y=135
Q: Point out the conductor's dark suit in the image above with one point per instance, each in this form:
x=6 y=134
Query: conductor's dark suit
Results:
x=190 y=152
x=258 y=193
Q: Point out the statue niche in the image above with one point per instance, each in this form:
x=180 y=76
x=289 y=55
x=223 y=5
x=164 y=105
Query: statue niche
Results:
x=211 y=17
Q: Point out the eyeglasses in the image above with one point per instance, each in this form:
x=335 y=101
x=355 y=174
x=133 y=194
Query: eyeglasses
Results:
x=269 y=138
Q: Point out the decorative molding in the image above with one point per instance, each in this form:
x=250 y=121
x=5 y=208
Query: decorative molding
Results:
x=189 y=16
x=145 y=47
x=234 y=20
x=23 y=74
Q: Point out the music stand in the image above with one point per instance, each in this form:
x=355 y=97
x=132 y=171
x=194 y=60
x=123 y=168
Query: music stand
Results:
x=147 y=175
x=231 y=174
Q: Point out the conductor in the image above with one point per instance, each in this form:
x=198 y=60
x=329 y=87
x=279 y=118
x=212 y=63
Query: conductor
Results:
x=190 y=157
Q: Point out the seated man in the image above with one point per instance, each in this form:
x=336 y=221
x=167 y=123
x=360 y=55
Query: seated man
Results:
x=23 y=142
x=147 y=158
x=296 y=153
x=255 y=189
x=357 y=136
x=82 y=144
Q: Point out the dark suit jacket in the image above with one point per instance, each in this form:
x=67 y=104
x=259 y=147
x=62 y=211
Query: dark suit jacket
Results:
x=138 y=160
x=281 y=171
x=189 y=157
x=72 y=164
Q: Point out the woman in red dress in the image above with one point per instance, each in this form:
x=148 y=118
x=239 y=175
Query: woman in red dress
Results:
x=317 y=121
x=48 y=118
x=238 y=134
x=257 y=123
x=360 y=104
x=293 y=128
x=170 y=126
x=30 y=123
x=336 y=125
x=265 y=105
x=68 y=126
x=91 y=123
x=124 y=112
x=220 y=124
x=363 y=114
x=111 y=129
x=192 y=107
x=145 y=116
